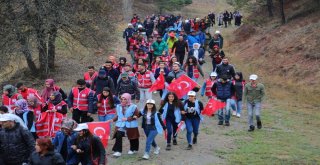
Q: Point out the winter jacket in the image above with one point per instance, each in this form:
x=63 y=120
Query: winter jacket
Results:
x=193 y=39
x=99 y=83
x=128 y=33
x=92 y=147
x=223 y=91
x=128 y=87
x=72 y=157
x=239 y=86
x=176 y=74
x=157 y=72
x=159 y=48
x=225 y=69
x=254 y=95
x=16 y=145
x=218 y=41
x=114 y=74
x=50 y=158
x=200 y=53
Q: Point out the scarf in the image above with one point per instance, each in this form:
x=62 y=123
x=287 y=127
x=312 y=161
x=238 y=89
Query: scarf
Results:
x=12 y=90
x=128 y=97
x=46 y=92
x=22 y=103
x=57 y=98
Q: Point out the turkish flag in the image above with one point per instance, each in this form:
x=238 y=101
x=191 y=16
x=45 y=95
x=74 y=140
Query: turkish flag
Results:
x=100 y=129
x=212 y=106
x=182 y=85
x=158 y=84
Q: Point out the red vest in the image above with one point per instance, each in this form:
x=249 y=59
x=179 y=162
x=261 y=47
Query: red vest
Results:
x=36 y=111
x=9 y=102
x=49 y=124
x=144 y=80
x=57 y=107
x=196 y=73
x=209 y=84
x=104 y=108
x=89 y=79
x=80 y=99
x=154 y=67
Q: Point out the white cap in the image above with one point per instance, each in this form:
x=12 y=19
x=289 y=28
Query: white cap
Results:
x=151 y=101
x=192 y=93
x=177 y=63
x=130 y=24
x=213 y=74
x=217 y=32
x=6 y=117
x=253 y=77
x=186 y=21
x=140 y=26
x=81 y=126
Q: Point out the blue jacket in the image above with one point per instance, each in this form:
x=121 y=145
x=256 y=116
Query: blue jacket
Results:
x=154 y=120
x=200 y=53
x=197 y=108
x=193 y=39
x=177 y=113
x=72 y=157
x=129 y=113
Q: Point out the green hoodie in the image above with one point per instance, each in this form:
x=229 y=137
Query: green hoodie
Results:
x=254 y=95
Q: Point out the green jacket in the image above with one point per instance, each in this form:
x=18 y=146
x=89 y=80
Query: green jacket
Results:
x=254 y=95
x=159 y=48
x=170 y=41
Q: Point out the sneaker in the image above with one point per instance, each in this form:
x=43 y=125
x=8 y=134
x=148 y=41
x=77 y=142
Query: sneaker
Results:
x=251 y=128
x=189 y=147
x=175 y=141
x=259 y=124
x=238 y=115
x=131 y=152
x=234 y=113
x=220 y=123
x=156 y=150
x=117 y=154
x=227 y=123
x=168 y=147
x=146 y=156
x=194 y=140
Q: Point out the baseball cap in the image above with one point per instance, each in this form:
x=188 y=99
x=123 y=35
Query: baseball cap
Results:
x=213 y=74
x=151 y=101
x=124 y=75
x=192 y=93
x=253 y=77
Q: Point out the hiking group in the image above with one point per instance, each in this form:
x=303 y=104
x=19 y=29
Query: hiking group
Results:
x=36 y=127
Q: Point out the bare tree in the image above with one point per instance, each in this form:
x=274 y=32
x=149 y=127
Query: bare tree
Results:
x=283 y=17
x=270 y=7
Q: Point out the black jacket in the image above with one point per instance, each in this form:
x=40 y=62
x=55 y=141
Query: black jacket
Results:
x=16 y=145
x=99 y=83
x=224 y=69
x=50 y=158
x=128 y=87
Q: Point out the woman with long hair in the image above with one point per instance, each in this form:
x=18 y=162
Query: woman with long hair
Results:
x=192 y=68
x=45 y=154
x=89 y=147
x=106 y=103
x=126 y=124
x=171 y=114
x=152 y=125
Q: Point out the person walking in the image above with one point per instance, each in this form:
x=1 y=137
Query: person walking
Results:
x=207 y=85
x=254 y=93
x=80 y=102
x=126 y=124
x=239 y=85
x=28 y=117
x=17 y=143
x=152 y=125
x=192 y=113
x=45 y=154
x=50 y=87
x=171 y=114
x=145 y=79
x=180 y=48
x=10 y=96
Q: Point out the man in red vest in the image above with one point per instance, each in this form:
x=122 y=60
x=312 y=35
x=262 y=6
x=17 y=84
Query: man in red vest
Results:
x=90 y=75
x=80 y=102
x=26 y=92
x=145 y=79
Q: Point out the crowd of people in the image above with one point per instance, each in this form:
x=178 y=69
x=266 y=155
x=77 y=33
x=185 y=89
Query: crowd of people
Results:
x=119 y=93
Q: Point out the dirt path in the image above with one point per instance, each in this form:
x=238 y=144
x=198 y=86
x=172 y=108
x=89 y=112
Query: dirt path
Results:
x=214 y=140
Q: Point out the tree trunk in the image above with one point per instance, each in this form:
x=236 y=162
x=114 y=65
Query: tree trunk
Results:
x=283 y=17
x=270 y=7
x=42 y=49
x=52 y=47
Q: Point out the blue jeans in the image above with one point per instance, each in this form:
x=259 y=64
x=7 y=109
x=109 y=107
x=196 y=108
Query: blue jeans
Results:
x=233 y=104
x=106 y=118
x=227 y=113
x=192 y=126
x=151 y=134
x=239 y=106
x=253 y=107
x=171 y=128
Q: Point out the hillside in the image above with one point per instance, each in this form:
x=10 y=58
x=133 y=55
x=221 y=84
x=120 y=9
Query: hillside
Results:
x=287 y=56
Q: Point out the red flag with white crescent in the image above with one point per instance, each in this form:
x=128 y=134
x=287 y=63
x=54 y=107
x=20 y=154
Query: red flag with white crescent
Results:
x=100 y=129
x=182 y=85
x=212 y=106
x=158 y=84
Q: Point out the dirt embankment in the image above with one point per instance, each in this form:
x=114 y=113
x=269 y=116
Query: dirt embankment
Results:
x=288 y=55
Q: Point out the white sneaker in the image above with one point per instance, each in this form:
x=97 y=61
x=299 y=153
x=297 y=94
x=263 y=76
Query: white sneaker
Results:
x=131 y=152
x=234 y=113
x=146 y=156
x=238 y=115
x=156 y=150
x=117 y=154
